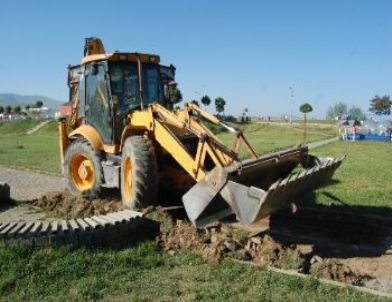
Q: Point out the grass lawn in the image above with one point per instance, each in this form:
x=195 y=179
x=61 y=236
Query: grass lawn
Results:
x=268 y=137
x=17 y=127
x=364 y=177
x=38 y=151
x=144 y=273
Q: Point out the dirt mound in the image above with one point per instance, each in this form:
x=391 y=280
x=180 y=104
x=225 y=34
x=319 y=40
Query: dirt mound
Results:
x=67 y=206
x=331 y=269
x=178 y=235
x=222 y=240
x=266 y=250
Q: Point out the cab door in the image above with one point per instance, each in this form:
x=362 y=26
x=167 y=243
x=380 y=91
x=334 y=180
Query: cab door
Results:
x=98 y=103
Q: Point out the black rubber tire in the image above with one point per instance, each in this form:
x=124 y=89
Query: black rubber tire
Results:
x=141 y=153
x=81 y=146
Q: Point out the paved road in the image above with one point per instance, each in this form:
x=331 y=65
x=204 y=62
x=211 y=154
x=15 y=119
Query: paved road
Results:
x=27 y=185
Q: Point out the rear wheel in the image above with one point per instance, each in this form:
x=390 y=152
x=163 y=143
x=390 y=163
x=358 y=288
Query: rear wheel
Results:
x=139 y=182
x=82 y=169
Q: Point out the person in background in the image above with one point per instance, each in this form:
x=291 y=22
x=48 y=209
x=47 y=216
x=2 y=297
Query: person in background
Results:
x=389 y=135
x=354 y=130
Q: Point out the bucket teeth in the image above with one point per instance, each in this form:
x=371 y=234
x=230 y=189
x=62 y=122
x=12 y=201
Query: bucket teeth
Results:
x=205 y=203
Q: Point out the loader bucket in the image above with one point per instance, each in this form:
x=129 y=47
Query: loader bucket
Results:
x=256 y=188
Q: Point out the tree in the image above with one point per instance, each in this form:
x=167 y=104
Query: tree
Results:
x=17 y=109
x=39 y=104
x=336 y=110
x=176 y=97
x=195 y=102
x=8 y=109
x=205 y=100
x=27 y=107
x=305 y=108
x=1 y=109
x=381 y=105
x=244 y=117
x=220 y=104
x=356 y=113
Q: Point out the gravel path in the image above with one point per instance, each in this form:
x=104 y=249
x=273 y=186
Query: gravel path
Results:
x=27 y=185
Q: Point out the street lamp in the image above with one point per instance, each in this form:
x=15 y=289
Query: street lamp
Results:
x=291 y=104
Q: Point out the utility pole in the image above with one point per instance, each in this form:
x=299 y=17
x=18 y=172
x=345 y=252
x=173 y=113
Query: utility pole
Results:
x=291 y=104
x=198 y=95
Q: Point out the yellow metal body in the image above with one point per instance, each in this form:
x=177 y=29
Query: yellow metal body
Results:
x=93 y=137
x=89 y=133
x=165 y=127
x=189 y=156
x=117 y=56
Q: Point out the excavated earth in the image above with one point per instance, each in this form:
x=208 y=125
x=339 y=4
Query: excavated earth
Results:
x=221 y=240
x=67 y=206
x=284 y=241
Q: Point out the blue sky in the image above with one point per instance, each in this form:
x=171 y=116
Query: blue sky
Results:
x=249 y=52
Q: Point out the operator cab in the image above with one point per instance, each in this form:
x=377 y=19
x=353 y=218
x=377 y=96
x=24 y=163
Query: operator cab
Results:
x=105 y=88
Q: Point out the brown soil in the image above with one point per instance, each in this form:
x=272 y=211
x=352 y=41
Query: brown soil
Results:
x=67 y=206
x=221 y=240
x=331 y=269
x=215 y=242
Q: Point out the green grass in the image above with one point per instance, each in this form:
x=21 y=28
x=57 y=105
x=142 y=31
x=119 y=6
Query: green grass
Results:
x=17 y=127
x=144 y=273
x=364 y=177
x=268 y=137
x=39 y=151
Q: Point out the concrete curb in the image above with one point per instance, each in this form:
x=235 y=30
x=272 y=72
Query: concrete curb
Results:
x=321 y=280
x=108 y=229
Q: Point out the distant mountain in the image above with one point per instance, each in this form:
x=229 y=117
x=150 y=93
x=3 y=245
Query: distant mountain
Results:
x=14 y=99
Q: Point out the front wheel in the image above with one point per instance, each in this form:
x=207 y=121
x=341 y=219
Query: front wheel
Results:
x=139 y=181
x=83 y=169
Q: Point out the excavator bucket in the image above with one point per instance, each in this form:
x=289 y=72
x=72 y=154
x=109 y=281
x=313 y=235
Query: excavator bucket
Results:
x=255 y=188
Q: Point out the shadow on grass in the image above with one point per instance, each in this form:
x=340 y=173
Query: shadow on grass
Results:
x=7 y=204
x=334 y=198
x=337 y=230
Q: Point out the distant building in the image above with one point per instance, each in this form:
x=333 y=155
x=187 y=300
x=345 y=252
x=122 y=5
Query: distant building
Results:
x=11 y=116
x=65 y=110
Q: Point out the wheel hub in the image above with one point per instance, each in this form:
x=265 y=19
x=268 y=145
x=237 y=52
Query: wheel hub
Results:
x=83 y=173
x=128 y=178
x=85 y=170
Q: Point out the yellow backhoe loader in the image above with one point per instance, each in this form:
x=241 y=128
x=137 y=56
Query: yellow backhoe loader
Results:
x=123 y=133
